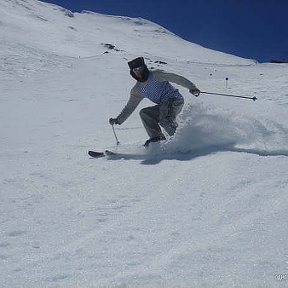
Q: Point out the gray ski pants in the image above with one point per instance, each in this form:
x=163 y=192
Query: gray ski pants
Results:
x=164 y=115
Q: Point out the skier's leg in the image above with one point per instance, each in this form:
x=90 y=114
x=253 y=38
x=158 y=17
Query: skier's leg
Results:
x=150 y=120
x=168 y=111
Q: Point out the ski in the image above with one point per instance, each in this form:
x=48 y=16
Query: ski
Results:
x=111 y=153
x=124 y=155
x=115 y=155
x=95 y=154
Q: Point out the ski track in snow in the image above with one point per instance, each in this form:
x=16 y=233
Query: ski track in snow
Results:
x=207 y=208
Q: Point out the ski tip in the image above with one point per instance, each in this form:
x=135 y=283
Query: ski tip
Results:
x=95 y=154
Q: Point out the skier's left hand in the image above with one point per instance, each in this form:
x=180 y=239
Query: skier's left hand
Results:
x=113 y=121
x=195 y=91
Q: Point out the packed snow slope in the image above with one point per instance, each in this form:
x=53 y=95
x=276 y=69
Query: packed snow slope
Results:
x=207 y=208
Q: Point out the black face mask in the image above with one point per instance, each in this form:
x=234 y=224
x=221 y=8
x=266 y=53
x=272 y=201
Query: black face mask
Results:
x=145 y=74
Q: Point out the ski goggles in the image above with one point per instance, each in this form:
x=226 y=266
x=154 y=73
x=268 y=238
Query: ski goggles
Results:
x=138 y=69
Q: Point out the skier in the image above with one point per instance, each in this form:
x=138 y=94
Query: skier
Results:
x=155 y=86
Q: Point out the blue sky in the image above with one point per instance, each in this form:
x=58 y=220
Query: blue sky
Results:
x=254 y=29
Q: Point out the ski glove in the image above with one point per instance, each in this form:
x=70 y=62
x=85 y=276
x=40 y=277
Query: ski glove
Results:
x=113 y=121
x=195 y=91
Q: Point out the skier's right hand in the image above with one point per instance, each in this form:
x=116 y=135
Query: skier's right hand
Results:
x=113 y=121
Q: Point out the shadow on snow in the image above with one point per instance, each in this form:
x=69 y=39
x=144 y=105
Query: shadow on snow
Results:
x=152 y=159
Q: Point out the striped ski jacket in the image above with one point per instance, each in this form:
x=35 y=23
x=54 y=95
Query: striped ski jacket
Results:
x=157 y=88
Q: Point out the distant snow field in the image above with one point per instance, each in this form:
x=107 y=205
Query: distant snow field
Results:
x=207 y=208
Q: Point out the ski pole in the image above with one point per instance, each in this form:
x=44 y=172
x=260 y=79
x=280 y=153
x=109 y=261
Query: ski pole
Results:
x=230 y=95
x=117 y=141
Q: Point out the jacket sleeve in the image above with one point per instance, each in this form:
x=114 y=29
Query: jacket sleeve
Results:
x=133 y=102
x=174 y=78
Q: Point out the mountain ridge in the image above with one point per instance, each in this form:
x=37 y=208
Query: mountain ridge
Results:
x=58 y=30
